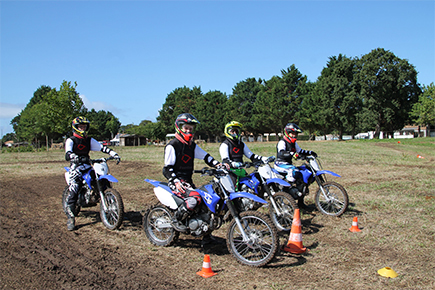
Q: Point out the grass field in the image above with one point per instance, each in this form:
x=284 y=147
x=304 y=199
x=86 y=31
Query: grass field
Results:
x=391 y=191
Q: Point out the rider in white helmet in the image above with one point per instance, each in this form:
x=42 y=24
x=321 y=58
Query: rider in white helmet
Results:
x=287 y=149
x=178 y=169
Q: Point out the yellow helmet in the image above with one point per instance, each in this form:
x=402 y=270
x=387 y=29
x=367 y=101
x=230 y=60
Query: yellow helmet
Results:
x=80 y=121
x=233 y=130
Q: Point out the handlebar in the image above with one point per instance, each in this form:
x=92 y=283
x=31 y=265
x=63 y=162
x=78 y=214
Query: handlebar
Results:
x=104 y=159
x=212 y=171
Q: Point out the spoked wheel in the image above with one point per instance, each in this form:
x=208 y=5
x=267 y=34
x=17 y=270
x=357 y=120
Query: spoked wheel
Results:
x=113 y=216
x=286 y=205
x=65 y=200
x=157 y=226
x=261 y=243
x=335 y=200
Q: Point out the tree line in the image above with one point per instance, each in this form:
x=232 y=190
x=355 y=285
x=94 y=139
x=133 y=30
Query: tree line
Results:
x=376 y=92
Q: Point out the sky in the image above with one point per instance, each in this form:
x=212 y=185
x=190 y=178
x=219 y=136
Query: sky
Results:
x=128 y=56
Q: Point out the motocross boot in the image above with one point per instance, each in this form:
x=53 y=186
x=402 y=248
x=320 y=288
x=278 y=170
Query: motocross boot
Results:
x=301 y=203
x=71 y=222
x=180 y=215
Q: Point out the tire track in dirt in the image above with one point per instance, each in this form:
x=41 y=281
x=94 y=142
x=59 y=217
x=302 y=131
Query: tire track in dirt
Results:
x=38 y=253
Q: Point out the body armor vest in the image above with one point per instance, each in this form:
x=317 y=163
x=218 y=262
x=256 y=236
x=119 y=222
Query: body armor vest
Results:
x=185 y=154
x=289 y=147
x=235 y=151
x=81 y=146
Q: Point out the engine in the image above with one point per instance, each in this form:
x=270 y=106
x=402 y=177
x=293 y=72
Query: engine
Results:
x=199 y=224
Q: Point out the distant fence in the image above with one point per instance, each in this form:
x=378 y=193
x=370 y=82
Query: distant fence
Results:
x=56 y=145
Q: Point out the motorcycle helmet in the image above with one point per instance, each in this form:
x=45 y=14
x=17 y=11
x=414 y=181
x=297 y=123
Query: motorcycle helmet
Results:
x=80 y=121
x=236 y=129
x=291 y=128
x=185 y=119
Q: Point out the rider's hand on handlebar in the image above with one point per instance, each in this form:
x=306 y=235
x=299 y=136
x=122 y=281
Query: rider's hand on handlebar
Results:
x=179 y=185
x=296 y=155
x=236 y=164
x=118 y=158
x=268 y=159
x=74 y=158
x=223 y=166
x=84 y=159
x=312 y=153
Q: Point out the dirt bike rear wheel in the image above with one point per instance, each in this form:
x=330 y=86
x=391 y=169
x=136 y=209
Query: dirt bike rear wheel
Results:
x=65 y=200
x=262 y=243
x=286 y=205
x=112 y=218
x=157 y=226
x=337 y=201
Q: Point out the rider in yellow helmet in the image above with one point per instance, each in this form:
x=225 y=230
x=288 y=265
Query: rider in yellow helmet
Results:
x=77 y=149
x=233 y=149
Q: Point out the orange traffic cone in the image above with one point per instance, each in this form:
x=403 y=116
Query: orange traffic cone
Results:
x=294 y=244
x=206 y=268
x=354 y=227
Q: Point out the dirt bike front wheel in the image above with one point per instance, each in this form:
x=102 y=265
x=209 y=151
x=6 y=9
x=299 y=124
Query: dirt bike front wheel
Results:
x=262 y=241
x=65 y=202
x=333 y=200
x=112 y=217
x=157 y=226
x=282 y=216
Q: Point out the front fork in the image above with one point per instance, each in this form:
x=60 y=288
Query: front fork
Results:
x=270 y=192
x=102 y=199
x=320 y=182
x=236 y=217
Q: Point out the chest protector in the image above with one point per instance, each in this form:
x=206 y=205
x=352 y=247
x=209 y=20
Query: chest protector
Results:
x=289 y=147
x=81 y=146
x=185 y=154
x=235 y=151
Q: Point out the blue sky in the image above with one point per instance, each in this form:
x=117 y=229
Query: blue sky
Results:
x=127 y=56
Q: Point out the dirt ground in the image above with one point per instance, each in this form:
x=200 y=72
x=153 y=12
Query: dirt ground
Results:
x=37 y=252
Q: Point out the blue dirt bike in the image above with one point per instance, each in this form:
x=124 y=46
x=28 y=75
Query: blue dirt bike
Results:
x=251 y=237
x=97 y=187
x=266 y=183
x=331 y=198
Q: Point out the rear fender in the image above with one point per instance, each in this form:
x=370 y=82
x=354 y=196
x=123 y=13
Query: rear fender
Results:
x=163 y=193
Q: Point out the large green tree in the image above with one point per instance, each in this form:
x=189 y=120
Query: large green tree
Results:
x=388 y=89
x=240 y=104
x=339 y=102
x=272 y=106
x=37 y=97
x=50 y=116
x=209 y=109
x=104 y=125
x=279 y=101
x=181 y=100
x=423 y=112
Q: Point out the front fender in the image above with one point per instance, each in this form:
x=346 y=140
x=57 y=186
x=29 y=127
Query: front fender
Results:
x=109 y=177
x=239 y=194
x=327 y=172
x=279 y=181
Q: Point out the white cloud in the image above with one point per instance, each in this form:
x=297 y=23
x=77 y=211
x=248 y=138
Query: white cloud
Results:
x=97 y=106
x=8 y=111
